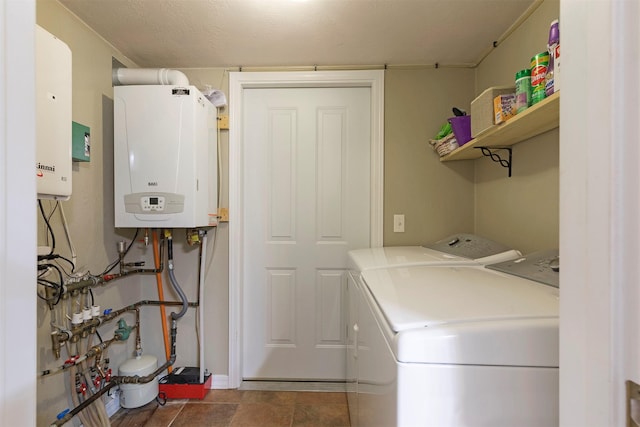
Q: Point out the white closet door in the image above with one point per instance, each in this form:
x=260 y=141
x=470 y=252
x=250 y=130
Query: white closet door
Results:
x=306 y=203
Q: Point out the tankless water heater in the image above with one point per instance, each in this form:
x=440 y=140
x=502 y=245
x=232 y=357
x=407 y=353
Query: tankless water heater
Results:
x=53 y=116
x=165 y=157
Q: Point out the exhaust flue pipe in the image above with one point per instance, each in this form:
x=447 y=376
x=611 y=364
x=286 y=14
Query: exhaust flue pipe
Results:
x=148 y=76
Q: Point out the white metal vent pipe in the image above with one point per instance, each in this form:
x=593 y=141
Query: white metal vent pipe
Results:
x=148 y=76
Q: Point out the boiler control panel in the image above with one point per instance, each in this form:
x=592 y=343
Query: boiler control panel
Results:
x=153 y=203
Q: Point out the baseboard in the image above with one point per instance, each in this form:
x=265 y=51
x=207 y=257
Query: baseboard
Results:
x=220 y=382
x=294 y=386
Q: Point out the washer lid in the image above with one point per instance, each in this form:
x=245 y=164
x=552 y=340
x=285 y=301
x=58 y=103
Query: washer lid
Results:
x=394 y=256
x=465 y=249
x=428 y=296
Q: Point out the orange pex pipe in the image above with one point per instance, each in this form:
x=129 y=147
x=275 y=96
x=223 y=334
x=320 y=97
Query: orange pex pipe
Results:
x=163 y=315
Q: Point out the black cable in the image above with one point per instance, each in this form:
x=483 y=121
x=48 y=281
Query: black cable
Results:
x=73 y=267
x=55 y=257
x=42 y=270
x=46 y=220
x=42 y=298
x=116 y=262
x=55 y=207
x=161 y=398
x=61 y=290
x=51 y=254
x=49 y=284
x=58 y=286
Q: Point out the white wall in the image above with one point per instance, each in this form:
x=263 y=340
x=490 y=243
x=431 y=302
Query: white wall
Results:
x=599 y=210
x=17 y=214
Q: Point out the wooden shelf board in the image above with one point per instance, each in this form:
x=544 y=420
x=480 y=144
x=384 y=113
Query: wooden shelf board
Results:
x=535 y=120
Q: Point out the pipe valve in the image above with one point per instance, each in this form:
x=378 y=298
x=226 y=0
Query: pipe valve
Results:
x=123 y=331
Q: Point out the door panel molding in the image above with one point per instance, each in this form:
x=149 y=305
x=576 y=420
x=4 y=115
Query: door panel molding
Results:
x=238 y=82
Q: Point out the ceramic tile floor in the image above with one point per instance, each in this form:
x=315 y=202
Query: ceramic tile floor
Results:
x=243 y=408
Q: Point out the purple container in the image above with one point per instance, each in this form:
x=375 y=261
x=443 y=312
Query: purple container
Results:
x=461 y=126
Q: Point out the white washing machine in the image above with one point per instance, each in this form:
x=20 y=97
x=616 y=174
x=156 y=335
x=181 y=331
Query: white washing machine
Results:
x=460 y=248
x=457 y=346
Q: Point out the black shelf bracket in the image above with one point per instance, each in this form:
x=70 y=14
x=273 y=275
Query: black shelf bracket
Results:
x=486 y=151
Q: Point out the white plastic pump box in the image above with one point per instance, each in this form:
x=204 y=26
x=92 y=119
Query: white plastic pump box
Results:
x=165 y=157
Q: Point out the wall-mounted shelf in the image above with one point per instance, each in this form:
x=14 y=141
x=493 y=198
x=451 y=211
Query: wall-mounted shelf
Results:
x=533 y=121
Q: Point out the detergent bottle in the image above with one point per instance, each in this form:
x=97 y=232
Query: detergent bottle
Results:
x=553 y=70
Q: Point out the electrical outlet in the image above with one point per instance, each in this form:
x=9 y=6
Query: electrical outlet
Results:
x=398 y=223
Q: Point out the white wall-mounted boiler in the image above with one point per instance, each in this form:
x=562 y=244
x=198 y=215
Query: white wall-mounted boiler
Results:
x=165 y=157
x=53 y=116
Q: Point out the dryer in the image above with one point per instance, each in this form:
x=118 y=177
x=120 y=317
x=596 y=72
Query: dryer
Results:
x=457 y=345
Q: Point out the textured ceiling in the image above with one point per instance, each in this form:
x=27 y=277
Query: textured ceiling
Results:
x=269 y=33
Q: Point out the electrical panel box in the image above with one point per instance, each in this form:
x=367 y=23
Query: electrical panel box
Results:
x=53 y=116
x=165 y=157
x=81 y=143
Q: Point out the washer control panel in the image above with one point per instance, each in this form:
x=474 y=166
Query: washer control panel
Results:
x=542 y=266
x=468 y=246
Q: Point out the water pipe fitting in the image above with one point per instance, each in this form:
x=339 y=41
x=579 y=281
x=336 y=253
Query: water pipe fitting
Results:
x=123 y=331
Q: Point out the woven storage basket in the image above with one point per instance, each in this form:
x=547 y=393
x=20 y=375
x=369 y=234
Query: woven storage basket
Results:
x=445 y=145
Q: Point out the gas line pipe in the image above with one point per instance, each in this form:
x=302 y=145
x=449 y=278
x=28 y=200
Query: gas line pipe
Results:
x=157 y=258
